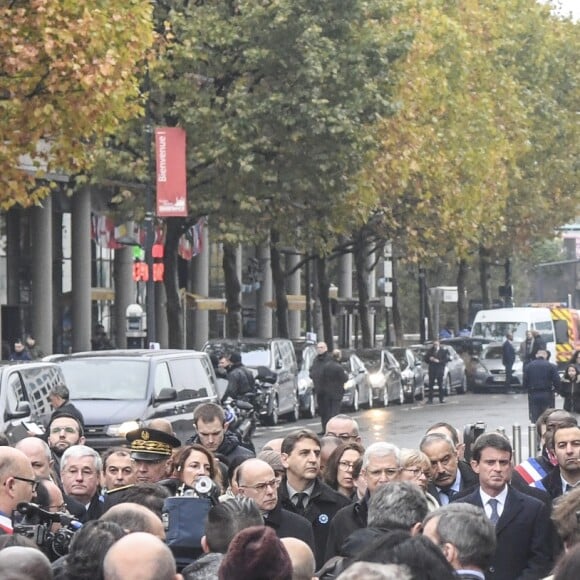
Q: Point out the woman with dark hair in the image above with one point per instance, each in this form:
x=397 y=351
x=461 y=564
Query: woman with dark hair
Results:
x=338 y=472
x=188 y=465
x=570 y=388
x=87 y=551
x=568 y=568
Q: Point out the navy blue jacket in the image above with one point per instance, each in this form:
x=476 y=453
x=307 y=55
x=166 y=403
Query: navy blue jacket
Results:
x=541 y=375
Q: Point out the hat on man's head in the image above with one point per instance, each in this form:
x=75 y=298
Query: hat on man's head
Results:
x=256 y=553
x=151 y=445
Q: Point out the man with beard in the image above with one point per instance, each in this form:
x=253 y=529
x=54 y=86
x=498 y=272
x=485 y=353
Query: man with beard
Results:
x=565 y=443
x=449 y=476
x=64 y=431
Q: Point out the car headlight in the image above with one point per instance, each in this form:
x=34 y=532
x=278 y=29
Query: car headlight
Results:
x=303 y=385
x=349 y=384
x=122 y=429
x=377 y=380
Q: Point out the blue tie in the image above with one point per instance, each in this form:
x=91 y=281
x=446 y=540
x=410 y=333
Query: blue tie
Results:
x=494 y=513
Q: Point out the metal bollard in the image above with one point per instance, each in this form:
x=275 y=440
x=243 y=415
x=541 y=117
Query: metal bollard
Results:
x=517 y=443
x=532 y=441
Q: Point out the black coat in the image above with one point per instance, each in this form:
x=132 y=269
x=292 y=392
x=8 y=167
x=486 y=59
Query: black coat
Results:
x=524 y=540
x=437 y=367
x=229 y=449
x=508 y=354
x=349 y=519
x=541 y=376
x=552 y=483
x=328 y=377
x=287 y=524
x=323 y=505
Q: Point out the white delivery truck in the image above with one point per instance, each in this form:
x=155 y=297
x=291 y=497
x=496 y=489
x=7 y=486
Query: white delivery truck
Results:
x=497 y=322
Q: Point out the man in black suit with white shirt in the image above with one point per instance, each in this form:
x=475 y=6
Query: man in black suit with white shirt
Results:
x=522 y=523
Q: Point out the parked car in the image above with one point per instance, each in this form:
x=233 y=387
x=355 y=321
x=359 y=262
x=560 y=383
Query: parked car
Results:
x=279 y=398
x=118 y=390
x=385 y=376
x=469 y=349
x=454 y=377
x=306 y=396
x=412 y=373
x=489 y=370
x=24 y=404
x=357 y=389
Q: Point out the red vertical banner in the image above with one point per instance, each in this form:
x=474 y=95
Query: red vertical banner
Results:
x=171 y=174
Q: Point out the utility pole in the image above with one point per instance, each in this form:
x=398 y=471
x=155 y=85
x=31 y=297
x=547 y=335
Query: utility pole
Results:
x=423 y=333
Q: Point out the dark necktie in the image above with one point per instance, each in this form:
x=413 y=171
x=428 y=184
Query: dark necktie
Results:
x=494 y=513
x=568 y=488
x=301 y=502
x=450 y=493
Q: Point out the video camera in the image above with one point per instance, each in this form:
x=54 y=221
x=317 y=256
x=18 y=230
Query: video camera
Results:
x=36 y=524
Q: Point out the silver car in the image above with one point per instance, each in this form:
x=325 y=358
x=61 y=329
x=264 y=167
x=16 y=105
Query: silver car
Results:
x=454 y=377
x=489 y=372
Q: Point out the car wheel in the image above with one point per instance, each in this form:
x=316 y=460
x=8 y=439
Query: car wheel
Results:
x=272 y=417
x=310 y=412
x=294 y=415
x=355 y=403
x=399 y=400
x=421 y=394
x=462 y=389
x=448 y=386
x=385 y=397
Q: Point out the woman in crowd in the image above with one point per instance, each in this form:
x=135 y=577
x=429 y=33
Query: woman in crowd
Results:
x=338 y=472
x=570 y=388
x=416 y=468
x=189 y=464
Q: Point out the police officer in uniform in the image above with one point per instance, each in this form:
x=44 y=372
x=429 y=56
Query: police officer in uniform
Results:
x=151 y=450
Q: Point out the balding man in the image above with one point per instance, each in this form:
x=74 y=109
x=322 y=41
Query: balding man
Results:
x=17 y=484
x=274 y=445
x=38 y=452
x=302 y=558
x=343 y=427
x=140 y=556
x=133 y=517
x=29 y=562
x=256 y=480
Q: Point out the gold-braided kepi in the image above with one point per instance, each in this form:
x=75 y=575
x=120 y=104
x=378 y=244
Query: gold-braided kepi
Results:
x=151 y=445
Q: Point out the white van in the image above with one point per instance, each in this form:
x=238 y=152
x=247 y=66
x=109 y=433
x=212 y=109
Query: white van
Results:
x=497 y=322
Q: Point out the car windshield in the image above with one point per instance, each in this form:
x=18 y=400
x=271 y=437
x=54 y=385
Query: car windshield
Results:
x=372 y=360
x=493 y=352
x=498 y=330
x=106 y=378
x=253 y=355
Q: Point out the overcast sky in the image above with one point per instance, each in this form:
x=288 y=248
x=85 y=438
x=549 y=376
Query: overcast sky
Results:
x=572 y=6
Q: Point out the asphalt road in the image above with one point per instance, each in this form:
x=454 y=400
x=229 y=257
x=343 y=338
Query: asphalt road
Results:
x=404 y=425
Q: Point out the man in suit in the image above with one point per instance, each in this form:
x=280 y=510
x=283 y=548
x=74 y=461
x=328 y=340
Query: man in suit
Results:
x=449 y=476
x=437 y=357
x=508 y=358
x=565 y=444
x=466 y=538
x=522 y=523
x=541 y=378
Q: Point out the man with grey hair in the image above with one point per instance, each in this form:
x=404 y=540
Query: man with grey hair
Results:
x=372 y=571
x=449 y=476
x=381 y=465
x=343 y=427
x=466 y=538
x=399 y=505
x=80 y=471
x=30 y=563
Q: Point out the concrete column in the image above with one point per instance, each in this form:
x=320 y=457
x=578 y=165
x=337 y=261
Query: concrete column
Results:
x=372 y=281
x=345 y=291
x=264 y=294
x=125 y=292
x=81 y=271
x=293 y=287
x=42 y=319
x=199 y=332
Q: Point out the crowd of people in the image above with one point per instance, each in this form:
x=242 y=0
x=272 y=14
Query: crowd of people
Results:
x=305 y=506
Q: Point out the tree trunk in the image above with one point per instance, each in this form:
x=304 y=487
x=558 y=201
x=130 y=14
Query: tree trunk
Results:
x=362 y=286
x=397 y=320
x=232 y=290
x=323 y=287
x=462 y=306
x=279 y=280
x=484 y=276
x=173 y=304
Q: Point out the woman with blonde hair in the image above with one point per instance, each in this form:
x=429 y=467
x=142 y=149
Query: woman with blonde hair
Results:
x=416 y=468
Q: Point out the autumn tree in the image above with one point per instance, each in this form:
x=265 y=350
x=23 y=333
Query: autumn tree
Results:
x=68 y=77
